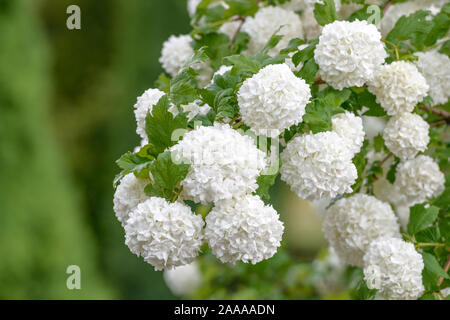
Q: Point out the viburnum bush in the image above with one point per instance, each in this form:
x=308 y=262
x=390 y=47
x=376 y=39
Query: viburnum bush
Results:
x=297 y=90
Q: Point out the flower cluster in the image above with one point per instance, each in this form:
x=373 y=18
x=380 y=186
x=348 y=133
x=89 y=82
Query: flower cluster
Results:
x=324 y=101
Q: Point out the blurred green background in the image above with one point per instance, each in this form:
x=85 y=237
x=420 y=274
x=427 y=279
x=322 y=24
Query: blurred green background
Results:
x=66 y=99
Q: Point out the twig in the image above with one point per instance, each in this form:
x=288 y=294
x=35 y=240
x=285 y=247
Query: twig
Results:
x=233 y=39
x=438 y=112
x=386 y=159
x=439 y=123
x=319 y=81
x=446 y=267
x=386 y=6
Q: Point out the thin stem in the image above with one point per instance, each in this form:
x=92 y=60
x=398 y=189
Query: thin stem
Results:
x=319 y=81
x=233 y=39
x=386 y=159
x=387 y=5
x=438 y=112
x=429 y=244
x=397 y=54
x=446 y=267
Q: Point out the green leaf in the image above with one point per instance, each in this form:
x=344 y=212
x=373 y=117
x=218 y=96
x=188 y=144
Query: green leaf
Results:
x=378 y=143
x=414 y=28
x=216 y=46
x=421 y=217
x=266 y=181
x=360 y=162
x=243 y=63
x=325 y=13
x=368 y=100
x=445 y=49
x=363 y=292
x=293 y=45
x=390 y=176
x=334 y=98
x=318 y=116
x=441 y=24
x=163 y=83
x=167 y=176
x=308 y=71
x=130 y=162
x=433 y=266
x=302 y=56
x=160 y=124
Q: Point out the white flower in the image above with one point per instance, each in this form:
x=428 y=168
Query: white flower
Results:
x=388 y=192
x=294 y=5
x=350 y=128
x=266 y=22
x=406 y=135
x=143 y=106
x=223 y=162
x=351 y=224
x=399 y=86
x=192 y=6
x=193 y=109
x=164 y=234
x=243 y=229
x=419 y=179
x=349 y=53
x=273 y=100
x=373 y=126
x=129 y=193
x=175 y=53
x=183 y=280
x=435 y=67
x=394 y=267
x=318 y=166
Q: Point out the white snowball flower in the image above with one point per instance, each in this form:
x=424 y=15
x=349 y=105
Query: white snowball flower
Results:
x=129 y=193
x=406 y=135
x=311 y=27
x=394 y=267
x=350 y=128
x=243 y=229
x=193 y=109
x=419 y=179
x=175 y=53
x=349 y=53
x=273 y=100
x=192 y=6
x=399 y=87
x=266 y=22
x=373 y=126
x=183 y=280
x=294 y=5
x=435 y=67
x=223 y=162
x=143 y=106
x=351 y=224
x=388 y=192
x=318 y=166
x=164 y=234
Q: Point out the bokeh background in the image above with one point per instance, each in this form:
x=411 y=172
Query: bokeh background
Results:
x=66 y=99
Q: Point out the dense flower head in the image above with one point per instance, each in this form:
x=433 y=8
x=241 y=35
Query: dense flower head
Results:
x=406 y=135
x=129 y=193
x=317 y=166
x=394 y=267
x=435 y=67
x=243 y=229
x=350 y=128
x=273 y=100
x=175 y=53
x=143 y=106
x=399 y=86
x=164 y=234
x=351 y=224
x=192 y=6
x=349 y=53
x=266 y=22
x=419 y=179
x=183 y=280
x=224 y=163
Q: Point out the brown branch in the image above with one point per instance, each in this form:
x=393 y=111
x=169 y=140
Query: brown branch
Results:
x=386 y=159
x=386 y=6
x=233 y=39
x=439 y=123
x=446 y=267
x=438 y=112
x=319 y=81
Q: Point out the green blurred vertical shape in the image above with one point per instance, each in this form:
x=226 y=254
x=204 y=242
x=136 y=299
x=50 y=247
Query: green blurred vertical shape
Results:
x=42 y=230
x=140 y=28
